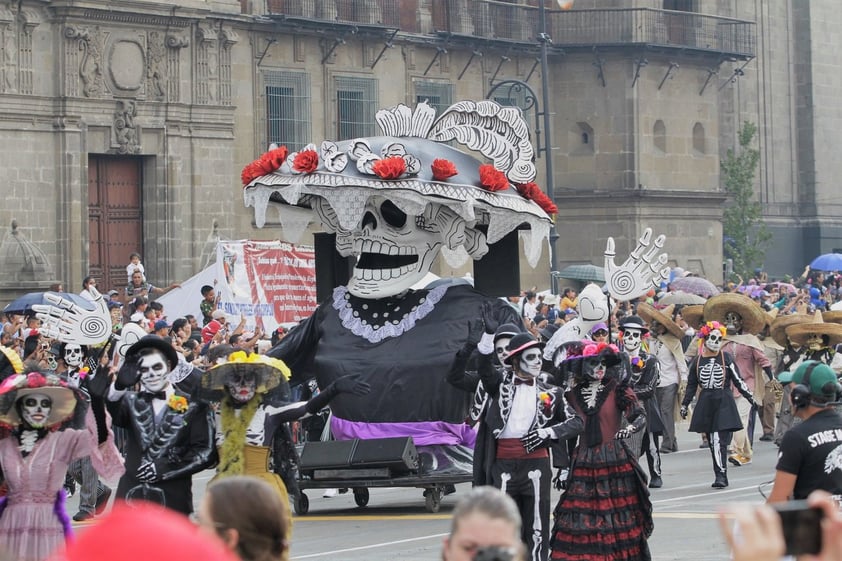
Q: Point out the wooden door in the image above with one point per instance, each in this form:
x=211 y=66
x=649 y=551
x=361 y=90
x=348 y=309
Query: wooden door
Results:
x=115 y=217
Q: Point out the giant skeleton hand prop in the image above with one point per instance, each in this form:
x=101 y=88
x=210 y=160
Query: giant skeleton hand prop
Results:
x=639 y=272
x=68 y=322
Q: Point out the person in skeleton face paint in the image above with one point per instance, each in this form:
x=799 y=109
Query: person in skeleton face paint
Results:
x=524 y=417
x=743 y=320
x=249 y=417
x=645 y=373
x=715 y=415
x=160 y=419
x=35 y=454
x=93 y=494
x=586 y=525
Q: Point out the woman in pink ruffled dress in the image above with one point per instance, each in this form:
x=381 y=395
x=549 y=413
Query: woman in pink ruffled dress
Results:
x=35 y=453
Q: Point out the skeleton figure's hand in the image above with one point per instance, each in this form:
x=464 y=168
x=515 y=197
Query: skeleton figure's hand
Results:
x=625 y=432
x=147 y=472
x=683 y=411
x=68 y=322
x=639 y=272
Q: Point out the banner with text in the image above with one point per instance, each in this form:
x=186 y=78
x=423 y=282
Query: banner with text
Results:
x=269 y=283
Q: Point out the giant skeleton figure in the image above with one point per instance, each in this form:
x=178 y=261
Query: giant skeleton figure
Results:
x=715 y=415
x=395 y=202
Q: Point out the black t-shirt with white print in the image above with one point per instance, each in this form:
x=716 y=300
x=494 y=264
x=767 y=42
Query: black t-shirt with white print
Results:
x=812 y=451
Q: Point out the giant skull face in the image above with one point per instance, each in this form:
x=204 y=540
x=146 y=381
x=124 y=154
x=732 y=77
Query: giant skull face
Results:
x=714 y=340
x=72 y=355
x=733 y=323
x=35 y=409
x=632 y=339
x=395 y=250
x=154 y=372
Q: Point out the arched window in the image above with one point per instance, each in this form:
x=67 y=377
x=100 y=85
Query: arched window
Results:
x=659 y=134
x=698 y=138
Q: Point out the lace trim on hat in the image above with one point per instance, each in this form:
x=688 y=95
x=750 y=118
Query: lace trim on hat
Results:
x=355 y=320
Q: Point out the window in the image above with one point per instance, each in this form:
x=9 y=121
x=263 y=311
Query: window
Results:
x=356 y=105
x=439 y=95
x=659 y=135
x=581 y=139
x=698 y=139
x=287 y=109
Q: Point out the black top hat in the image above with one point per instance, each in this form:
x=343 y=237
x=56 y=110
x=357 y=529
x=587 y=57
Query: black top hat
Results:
x=520 y=343
x=633 y=322
x=159 y=344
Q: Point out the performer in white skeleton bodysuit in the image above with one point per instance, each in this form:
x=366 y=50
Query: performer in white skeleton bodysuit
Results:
x=713 y=371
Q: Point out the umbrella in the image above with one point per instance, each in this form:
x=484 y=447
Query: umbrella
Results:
x=585 y=272
x=681 y=298
x=827 y=262
x=23 y=305
x=695 y=285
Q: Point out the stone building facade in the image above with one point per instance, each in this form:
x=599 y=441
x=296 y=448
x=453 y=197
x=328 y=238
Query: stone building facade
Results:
x=125 y=125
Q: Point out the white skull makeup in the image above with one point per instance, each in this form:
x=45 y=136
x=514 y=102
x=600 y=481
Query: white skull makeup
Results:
x=72 y=355
x=242 y=387
x=815 y=342
x=733 y=323
x=396 y=250
x=529 y=362
x=35 y=409
x=594 y=367
x=632 y=339
x=153 y=372
x=714 y=340
x=500 y=348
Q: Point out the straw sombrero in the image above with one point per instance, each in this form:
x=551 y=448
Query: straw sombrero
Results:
x=664 y=317
x=19 y=385
x=833 y=316
x=694 y=315
x=770 y=316
x=269 y=372
x=799 y=333
x=752 y=314
x=781 y=323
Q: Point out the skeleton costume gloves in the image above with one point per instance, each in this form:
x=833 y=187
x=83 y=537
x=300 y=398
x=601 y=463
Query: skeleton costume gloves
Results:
x=539 y=438
x=346 y=384
x=128 y=375
x=683 y=411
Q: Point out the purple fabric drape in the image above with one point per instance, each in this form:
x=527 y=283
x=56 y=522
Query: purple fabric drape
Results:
x=422 y=433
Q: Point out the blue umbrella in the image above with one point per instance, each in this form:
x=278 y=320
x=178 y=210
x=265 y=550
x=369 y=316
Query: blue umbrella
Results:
x=23 y=305
x=827 y=262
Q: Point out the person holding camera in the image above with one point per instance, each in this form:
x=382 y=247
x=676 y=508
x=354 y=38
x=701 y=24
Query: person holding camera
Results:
x=810 y=456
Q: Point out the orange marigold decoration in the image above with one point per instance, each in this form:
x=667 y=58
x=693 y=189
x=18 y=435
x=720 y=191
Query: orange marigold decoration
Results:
x=306 y=161
x=443 y=169
x=177 y=403
x=492 y=179
x=389 y=168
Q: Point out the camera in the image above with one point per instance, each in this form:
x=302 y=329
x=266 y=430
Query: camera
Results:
x=802 y=527
x=494 y=553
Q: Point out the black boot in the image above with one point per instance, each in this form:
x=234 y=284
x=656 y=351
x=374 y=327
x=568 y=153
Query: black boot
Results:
x=720 y=468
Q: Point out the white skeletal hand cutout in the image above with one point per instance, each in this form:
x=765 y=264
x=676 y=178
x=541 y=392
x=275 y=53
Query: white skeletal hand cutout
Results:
x=68 y=322
x=640 y=272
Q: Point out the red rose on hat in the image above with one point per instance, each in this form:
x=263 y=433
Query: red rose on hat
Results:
x=443 y=169
x=389 y=168
x=306 y=161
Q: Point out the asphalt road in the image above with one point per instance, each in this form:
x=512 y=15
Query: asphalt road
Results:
x=396 y=524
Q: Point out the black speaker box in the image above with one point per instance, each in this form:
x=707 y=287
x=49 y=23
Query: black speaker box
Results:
x=327 y=455
x=332 y=269
x=498 y=272
x=398 y=454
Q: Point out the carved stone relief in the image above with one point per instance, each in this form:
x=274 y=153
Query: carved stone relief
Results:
x=89 y=44
x=125 y=133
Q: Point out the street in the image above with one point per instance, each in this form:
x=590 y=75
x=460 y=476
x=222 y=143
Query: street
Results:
x=396 y=524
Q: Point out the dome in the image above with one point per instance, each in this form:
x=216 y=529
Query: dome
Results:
x=22 y=260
